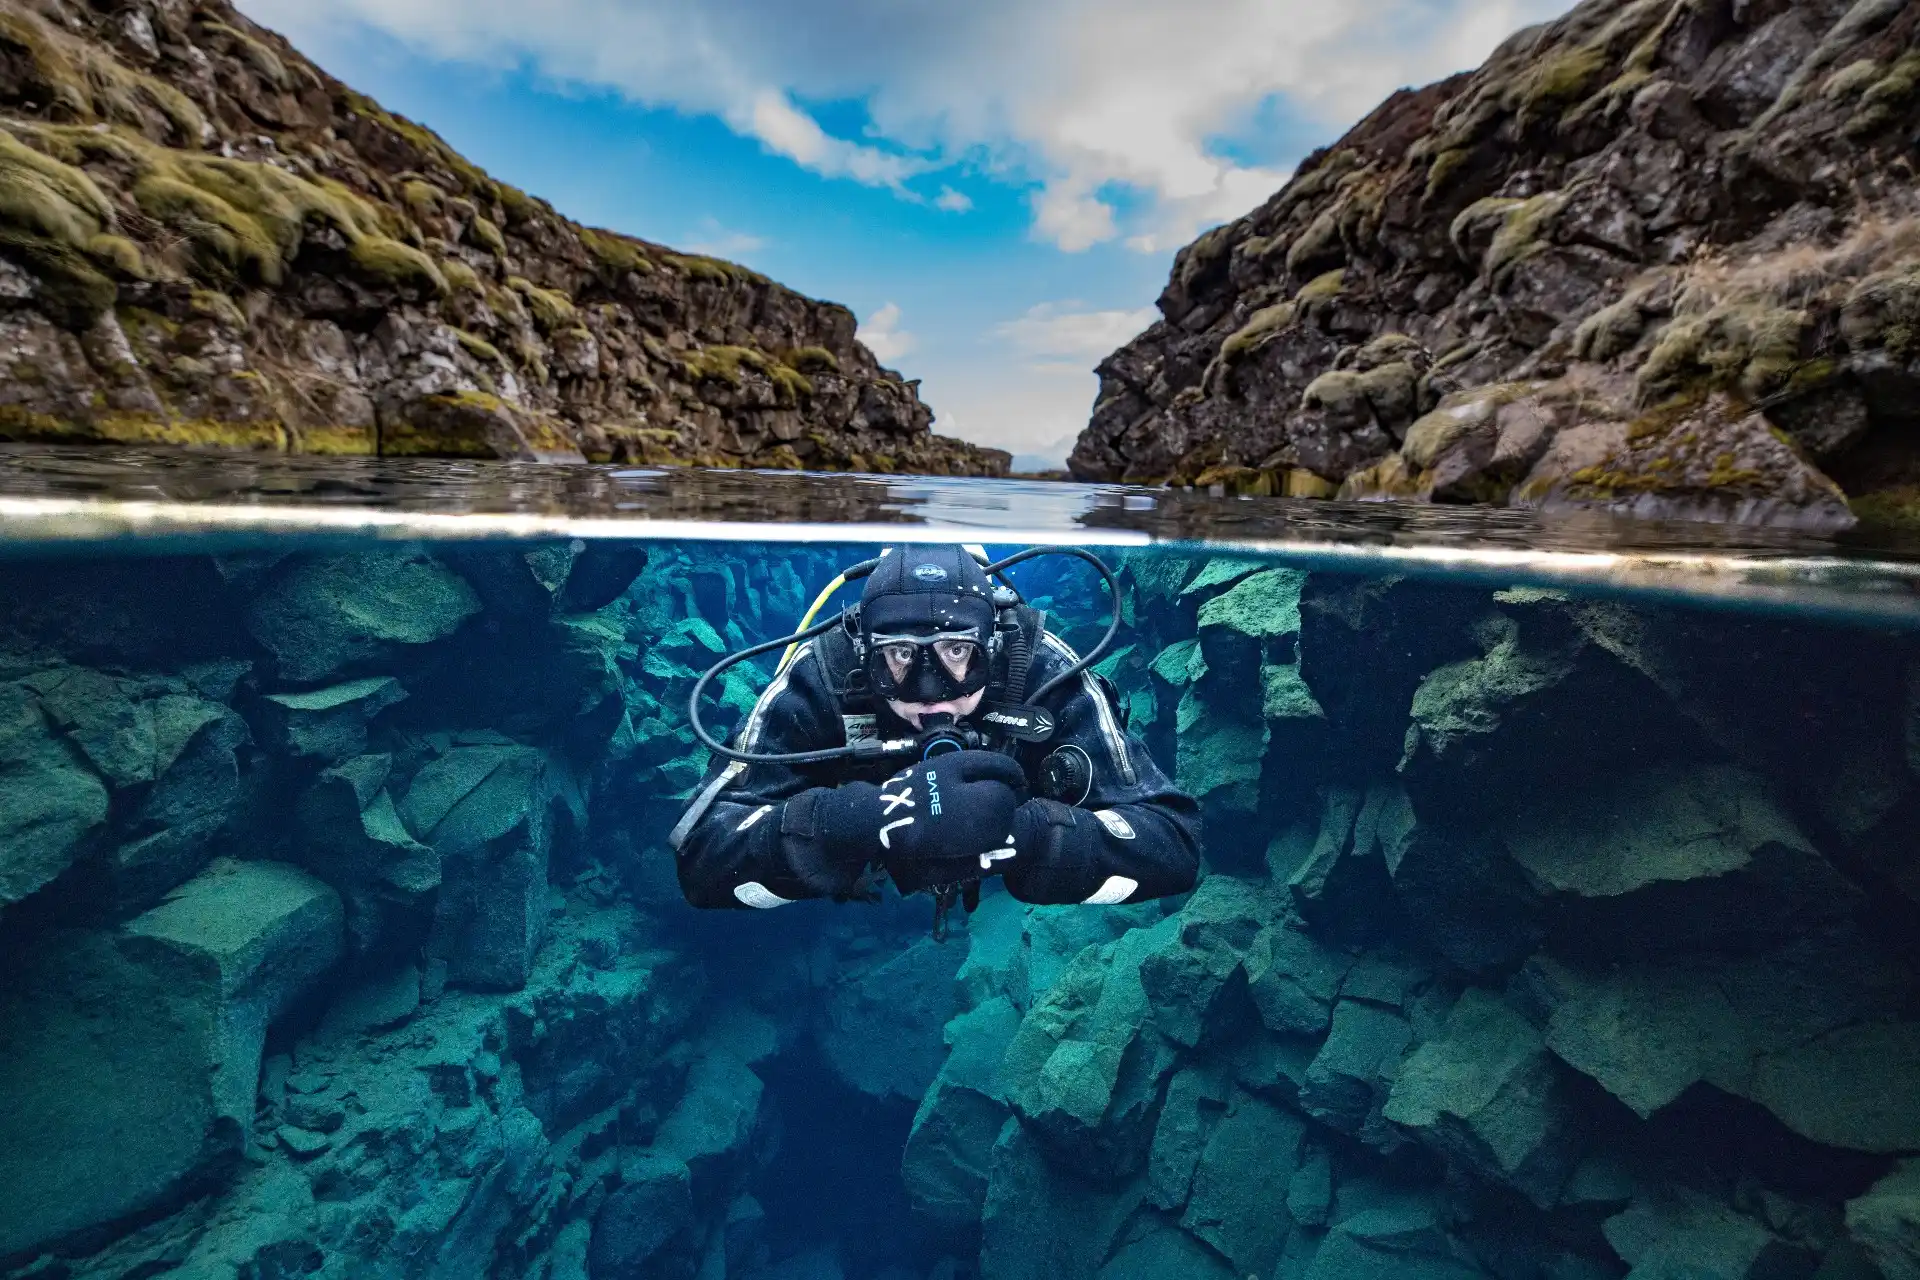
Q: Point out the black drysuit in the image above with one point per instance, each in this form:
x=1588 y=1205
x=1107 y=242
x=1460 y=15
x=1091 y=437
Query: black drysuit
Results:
x=752 y=836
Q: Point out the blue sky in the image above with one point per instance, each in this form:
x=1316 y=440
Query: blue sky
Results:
x=996 y=187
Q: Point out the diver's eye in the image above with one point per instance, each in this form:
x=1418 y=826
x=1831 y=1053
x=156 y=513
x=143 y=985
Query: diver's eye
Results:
x=899 y=659
x=956 y=656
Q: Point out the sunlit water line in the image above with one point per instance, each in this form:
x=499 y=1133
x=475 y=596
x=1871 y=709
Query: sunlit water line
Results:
x=1882 y=592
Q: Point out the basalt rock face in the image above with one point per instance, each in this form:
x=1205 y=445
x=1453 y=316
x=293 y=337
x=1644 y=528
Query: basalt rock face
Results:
x=1528 y=948
x=1657 y=257
x=205 y=240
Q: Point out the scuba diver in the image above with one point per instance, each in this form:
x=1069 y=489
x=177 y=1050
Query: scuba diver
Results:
x=937 y=734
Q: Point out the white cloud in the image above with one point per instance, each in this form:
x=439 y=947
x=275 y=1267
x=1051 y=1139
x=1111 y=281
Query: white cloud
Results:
x=883 y=335
x=717 y=241
x=952 y=201
x=1113 y=107
x=1054 y=332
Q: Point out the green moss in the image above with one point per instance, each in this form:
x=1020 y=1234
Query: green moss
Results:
x=460 y=277
x=552 y=310
x=1322 y=288
x=337 y=441
x=1883 y=312
x=192 y=433
x=1852 y=78
x=1895 y=510
x=41 y=196
x=1749 y=346
x=478 y=347
x=423 y=198
x=245 y=218
x=217 y=307
x=1444 y=166
x=423 y=140
x=1267 y=320
x=487 y=236
x=520 y=207
x=23 y=426
x=390 y=262
x=712 y=270
x=814 y=360
x=263 y=60
x=89 y=82
x=1895 y=89
x=1557 y=82
x=616 y=252
x=722 y=363
x=1523 y=233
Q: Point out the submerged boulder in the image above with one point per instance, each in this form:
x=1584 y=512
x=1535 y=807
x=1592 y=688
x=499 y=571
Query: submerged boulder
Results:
x=1238 y=1202
x=130 y=1058
x=880 y=1030
x=1487 y=1095
x=945 y=1165
x=330 y=724
x=1885 y=1222
x=1084 y=1069
x=485 y=809
x=319 y=616
x=49 y=800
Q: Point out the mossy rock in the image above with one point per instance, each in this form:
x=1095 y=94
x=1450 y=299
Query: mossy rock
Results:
x=89 y=83
x=482 y=232
x=388 y=262
x=616 y=252
x=1260 y=326
x=552 y=309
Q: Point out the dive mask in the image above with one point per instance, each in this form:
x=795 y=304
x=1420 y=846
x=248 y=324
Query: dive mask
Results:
x=940 y=667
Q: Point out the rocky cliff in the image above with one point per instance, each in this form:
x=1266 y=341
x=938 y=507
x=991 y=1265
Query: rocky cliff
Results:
x=1658 y=256
x=206 y=240
x=339 y=938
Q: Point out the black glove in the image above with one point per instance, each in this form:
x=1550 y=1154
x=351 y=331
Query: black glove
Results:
x=1049 y=863
x=942 y=821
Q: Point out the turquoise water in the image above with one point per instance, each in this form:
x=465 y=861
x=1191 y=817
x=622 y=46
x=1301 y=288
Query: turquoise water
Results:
x=1557 y=916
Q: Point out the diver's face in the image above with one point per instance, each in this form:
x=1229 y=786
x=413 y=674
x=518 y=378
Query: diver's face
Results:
x=914 y=713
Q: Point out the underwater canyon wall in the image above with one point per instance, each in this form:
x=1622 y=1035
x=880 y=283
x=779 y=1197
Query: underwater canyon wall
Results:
x=1655 y=256
x=206 y=240
x=1541 y=937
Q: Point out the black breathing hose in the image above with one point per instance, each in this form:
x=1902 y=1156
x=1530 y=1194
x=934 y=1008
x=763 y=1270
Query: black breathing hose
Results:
x=871 y=746
x=1098 y=651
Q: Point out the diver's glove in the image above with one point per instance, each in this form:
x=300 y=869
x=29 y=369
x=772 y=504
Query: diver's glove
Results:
x=942 y=821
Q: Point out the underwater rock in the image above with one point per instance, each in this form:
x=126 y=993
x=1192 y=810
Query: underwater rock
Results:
x=1486 y=1094
x=1190 y=983
x=945 y=1165
x=880 y=1029
x=650 y=1211
x=1685 y=1233
x=1348 y=1081
x=320 y=616
x=485 y=811
x=131 y=1058
x=1390 y=1244
x=1085 y=1067
x=1041 y=1222
x=1240 y=1185
x=1885 y=1222
x=1257 y=620
x=349 y=833
x=1196 y=1098
x=1708 y=844
x=329 y=724
x=198 y=750
x=1293 y=979
x=1342 y=885
x=1164 y=1251
x=49 y=800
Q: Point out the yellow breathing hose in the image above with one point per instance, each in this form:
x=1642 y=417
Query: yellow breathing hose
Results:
x=819 y=602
